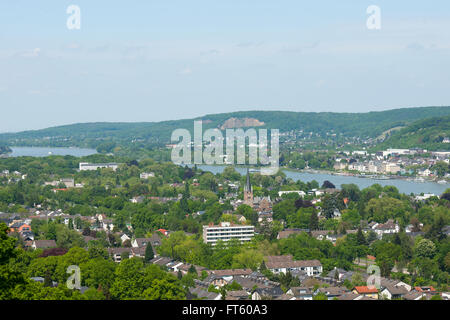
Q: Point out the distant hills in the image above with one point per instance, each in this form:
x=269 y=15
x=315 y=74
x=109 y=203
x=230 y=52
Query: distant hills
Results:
x=428 y=134
x=107 y=135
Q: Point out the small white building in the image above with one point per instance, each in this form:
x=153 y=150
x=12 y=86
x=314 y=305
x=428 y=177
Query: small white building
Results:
x=85 y=166
x=299 y=192
x=146 y=175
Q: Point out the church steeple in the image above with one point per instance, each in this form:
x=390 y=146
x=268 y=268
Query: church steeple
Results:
x=248 y=191
x=248 y=186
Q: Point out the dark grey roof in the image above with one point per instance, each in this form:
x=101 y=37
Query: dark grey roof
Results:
x=202 y=293
x=270 y=292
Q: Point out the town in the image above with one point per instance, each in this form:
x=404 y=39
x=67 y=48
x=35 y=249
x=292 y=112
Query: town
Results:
x=194 y=235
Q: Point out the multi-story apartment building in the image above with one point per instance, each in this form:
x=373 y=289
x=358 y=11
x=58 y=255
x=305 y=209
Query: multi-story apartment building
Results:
x=225 y=231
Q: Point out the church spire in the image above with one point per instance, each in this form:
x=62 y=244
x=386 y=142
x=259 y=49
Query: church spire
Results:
x=248 y=186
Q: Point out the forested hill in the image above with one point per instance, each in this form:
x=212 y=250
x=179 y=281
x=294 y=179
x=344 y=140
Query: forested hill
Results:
x=363 y=125
x=427 y=134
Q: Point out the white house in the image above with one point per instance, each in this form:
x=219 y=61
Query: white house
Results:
x=283 y=264
x=299 y=192
x=386 y=228
x=85 y=166
x=124 y=238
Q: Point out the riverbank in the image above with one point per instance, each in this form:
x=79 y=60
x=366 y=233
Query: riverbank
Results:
x=382 y=177
x=403 y=185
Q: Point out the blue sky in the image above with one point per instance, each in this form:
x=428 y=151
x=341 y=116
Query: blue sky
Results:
x=161 y=60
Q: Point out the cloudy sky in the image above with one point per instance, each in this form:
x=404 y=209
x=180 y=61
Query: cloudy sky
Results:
x=152 y=60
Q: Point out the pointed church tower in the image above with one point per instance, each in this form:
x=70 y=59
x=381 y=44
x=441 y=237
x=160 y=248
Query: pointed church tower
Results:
x=248 y=191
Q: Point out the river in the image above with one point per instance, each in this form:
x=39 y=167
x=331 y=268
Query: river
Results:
x=47 y=151
x=404 y=186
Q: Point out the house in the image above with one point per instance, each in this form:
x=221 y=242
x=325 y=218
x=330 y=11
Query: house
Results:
x=332 y=292
x=324 y=235
x=287 y=232
x=426 y=289
x=393 y=292
x=389 y=227
x=146 y=175
x=41 y=280
x=301 y=193
x=203 y=294
x=138 y=199
x=249 y=284
x=349 y=296
x=340 y=274
x=124 y=238
x=384 y=283
x=43 y=244
x=414 y=295
x=217 y=281
x=287 y=297
x=107 y=225
x=232 y=272
x=161 y=261
x=140 y=242
x=116 y=253
x=283 y=264
x=237 y=295
x=20 y=227
x=265 y=293
x=163 y=231
x=366 y=291
x=185 y=268
x=137 y=252
x=84 y=166
x=303 y=293
x=265 y=216
x=301 y=275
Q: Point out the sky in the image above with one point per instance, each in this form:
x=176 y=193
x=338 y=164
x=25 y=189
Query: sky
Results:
x=161 y=60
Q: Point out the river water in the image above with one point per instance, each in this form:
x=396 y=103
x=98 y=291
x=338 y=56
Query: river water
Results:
x=45 y=152
x=404 y=186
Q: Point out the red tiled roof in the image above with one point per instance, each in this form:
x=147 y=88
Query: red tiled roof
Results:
x=366 y=289
x=425 y=289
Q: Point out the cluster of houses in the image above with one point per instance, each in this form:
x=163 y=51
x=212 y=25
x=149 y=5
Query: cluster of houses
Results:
x=14 y=176
x=65 y=182
x=253 y=285
x=391 y=161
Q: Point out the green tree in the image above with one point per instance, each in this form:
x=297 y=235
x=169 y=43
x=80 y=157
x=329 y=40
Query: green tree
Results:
x=9 y=277
x=425 y=249
x=149 y=255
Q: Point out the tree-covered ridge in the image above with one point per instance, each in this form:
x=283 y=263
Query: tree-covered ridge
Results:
x=370 y=124
x=428 y=134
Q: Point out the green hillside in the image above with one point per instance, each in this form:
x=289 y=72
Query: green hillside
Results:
x=427 y=134
x=107 y=135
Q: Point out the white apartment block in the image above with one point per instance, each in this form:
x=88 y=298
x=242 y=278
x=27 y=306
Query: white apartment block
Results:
x=84 y=166
x=225 y=232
